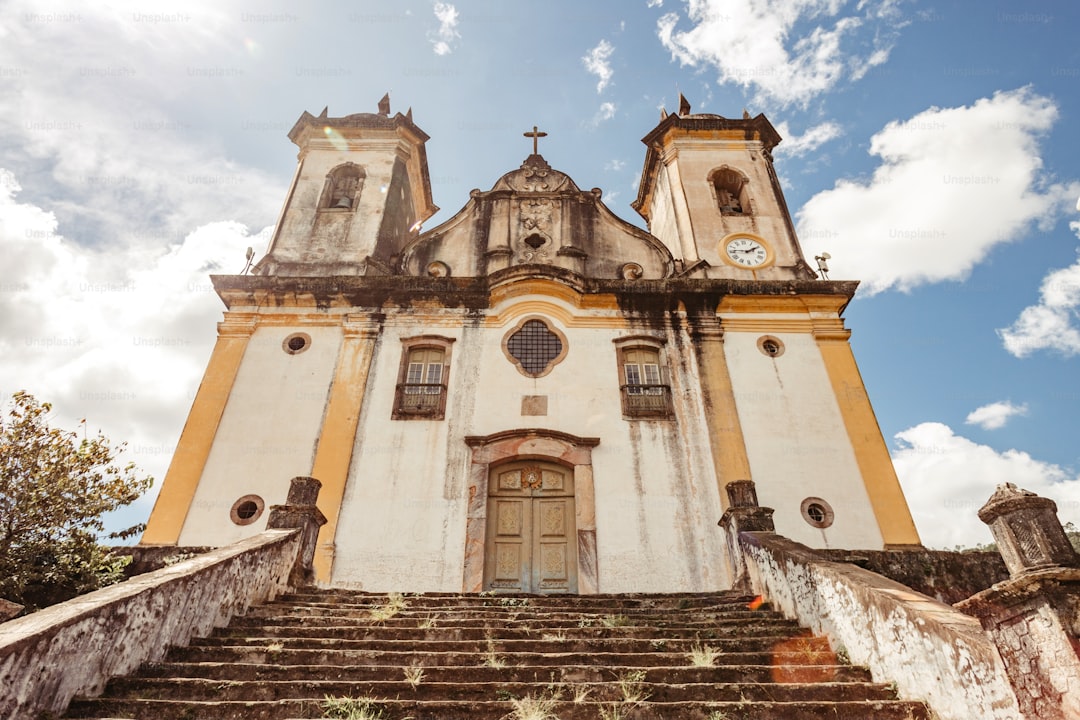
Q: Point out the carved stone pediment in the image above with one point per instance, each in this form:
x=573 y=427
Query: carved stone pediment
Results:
x=535 y=175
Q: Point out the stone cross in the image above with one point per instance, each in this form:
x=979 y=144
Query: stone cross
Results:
x=535 y=135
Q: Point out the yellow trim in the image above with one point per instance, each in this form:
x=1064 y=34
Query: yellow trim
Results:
x=871 y=453
x=827 y=305
x=765 y=325
x=333 y=456
x=725 y=431
x=178 y=490
x=503 y=292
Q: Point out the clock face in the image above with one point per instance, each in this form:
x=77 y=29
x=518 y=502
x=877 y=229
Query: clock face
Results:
x=746 y=252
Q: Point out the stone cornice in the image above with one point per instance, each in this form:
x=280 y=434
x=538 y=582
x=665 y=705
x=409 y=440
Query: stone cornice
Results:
x=698 y=295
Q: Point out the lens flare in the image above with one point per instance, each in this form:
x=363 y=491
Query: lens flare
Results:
x=335 y=138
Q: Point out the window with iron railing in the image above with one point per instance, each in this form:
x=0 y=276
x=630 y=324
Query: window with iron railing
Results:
x=644 y=393
x=423 y=392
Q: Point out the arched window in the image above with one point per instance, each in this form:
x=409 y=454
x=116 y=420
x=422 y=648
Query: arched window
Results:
x=643 y=380
x=342 y=189
x=730 y=189
x=421 y=389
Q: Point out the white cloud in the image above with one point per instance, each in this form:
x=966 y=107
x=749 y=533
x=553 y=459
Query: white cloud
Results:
x=995 y=415
x=654 y=3
x=447 y=15
x=812 y=139
x=1052 y=323
x=596 y=62
x=952 y=184
x=605 y=112
x=96 y=333
x=947 y=478
x=102 y=118
x=615 y=165
x=753 y=44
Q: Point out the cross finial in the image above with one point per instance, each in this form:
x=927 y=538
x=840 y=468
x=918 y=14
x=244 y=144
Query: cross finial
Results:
x=535 y=135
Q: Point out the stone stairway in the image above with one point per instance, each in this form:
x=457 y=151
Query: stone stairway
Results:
x=333 y=653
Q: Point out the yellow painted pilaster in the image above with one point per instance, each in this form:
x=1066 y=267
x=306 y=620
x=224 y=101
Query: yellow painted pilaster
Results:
x=334 y=452
x=173 y=502
x=725 y=431
x=871 y=453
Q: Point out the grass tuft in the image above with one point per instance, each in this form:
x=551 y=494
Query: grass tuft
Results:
x=492 y=659
x=346 y=708
x=703 y=656
x=632 y=687
x=414 y=676
x=395 y=603
x=534 y=708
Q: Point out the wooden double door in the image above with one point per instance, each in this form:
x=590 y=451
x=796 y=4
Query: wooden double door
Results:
x=531 y=542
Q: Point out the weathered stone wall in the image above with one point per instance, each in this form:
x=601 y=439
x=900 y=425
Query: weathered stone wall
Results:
x=931 y=651
x=148 y=558
x=75 y=647
x=944 y=575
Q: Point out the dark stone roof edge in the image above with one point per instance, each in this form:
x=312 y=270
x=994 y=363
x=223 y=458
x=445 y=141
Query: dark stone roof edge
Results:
x=325 y=289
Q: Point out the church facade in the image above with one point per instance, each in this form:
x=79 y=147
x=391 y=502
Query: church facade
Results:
x=534 y=396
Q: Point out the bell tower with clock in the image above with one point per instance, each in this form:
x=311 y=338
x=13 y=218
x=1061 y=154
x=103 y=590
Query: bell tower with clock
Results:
x=710 y=193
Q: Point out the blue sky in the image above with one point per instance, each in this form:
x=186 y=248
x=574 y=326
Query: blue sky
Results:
x=930 y=148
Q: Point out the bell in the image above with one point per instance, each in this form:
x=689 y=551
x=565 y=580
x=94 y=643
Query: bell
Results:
x=343 y=202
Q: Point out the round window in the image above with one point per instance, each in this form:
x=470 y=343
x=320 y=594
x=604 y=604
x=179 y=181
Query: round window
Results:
x=247 y=510
x=770 y=346
x=296 y=343
x=817 y=512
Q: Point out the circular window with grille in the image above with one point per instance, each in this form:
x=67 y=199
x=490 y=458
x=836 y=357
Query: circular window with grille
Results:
x=817 y=512
x=247 y=510
x=534 y=347
x=296 y=343
x=770 y=346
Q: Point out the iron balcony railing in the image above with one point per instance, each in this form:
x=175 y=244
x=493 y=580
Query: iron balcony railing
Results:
x=420 y=398
x=646 y=399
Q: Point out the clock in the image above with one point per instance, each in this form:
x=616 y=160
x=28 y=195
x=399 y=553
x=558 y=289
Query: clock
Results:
x=745 y=251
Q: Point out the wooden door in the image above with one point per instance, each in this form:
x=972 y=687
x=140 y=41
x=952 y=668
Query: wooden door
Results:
x=531 y=543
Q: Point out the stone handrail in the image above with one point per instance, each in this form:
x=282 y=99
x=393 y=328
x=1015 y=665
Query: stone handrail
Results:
x=48 y=657
x=931 y=651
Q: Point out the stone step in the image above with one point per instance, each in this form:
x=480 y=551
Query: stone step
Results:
x=334 y=627
x=567 y=615
x=502 y=709
x=475 y=639
x=514 y=674
x=406 y=658
x=758 y=642
x=604 y=603
x=498 y=615
x=613 y=689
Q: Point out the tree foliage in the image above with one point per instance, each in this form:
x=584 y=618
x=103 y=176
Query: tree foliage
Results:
x=54 y=489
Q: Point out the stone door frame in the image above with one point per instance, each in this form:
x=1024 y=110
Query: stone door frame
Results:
x=531 y=444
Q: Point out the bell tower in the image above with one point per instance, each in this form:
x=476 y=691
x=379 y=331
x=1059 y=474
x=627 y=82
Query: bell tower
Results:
x=360 y=191
x=710 y=193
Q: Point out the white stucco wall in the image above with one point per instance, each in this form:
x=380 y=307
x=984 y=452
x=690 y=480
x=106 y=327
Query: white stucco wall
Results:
x=796 y=441
x=267 y=433
x=402 y=523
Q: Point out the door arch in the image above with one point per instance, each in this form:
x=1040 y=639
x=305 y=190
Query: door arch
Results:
x=531 y=540
x=542 y=445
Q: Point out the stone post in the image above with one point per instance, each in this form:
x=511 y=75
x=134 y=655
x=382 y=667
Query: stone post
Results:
x=1034 y=616
x=9 y=610
x=743 y=514
x=299 y=511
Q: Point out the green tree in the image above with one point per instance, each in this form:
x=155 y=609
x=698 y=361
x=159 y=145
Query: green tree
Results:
x=54 y=489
